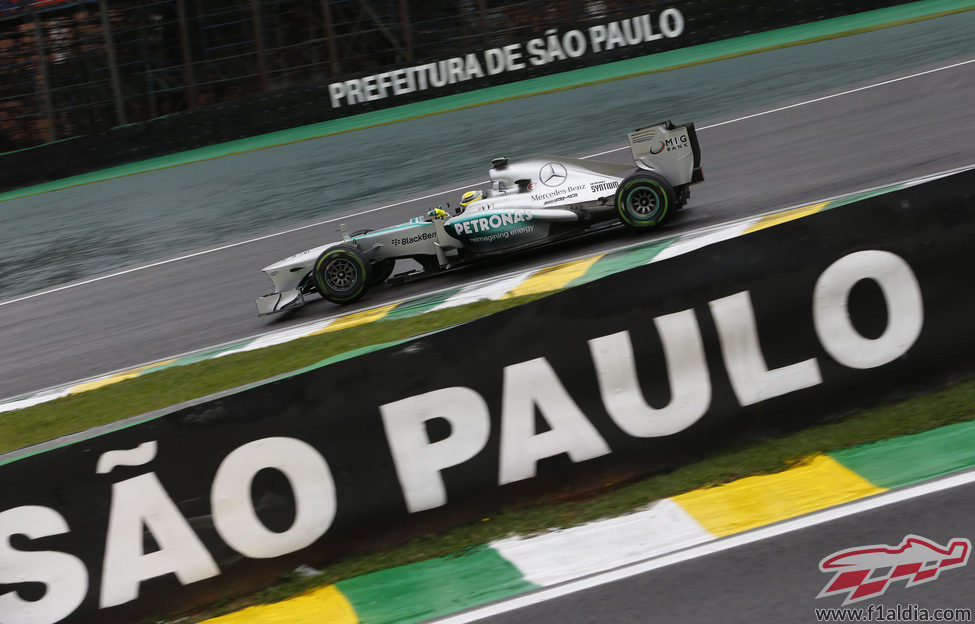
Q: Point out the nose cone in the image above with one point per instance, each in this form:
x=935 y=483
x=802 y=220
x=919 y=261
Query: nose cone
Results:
x=280 y=265
x=302 y=260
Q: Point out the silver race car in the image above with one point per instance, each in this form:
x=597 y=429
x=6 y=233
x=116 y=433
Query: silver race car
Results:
x=529 y=203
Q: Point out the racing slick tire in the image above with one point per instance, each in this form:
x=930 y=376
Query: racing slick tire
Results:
x=342 y=274
x=644 y=200
x=381 y=270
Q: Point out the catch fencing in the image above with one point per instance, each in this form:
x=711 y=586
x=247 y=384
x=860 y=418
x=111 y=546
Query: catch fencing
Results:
x=72 y=68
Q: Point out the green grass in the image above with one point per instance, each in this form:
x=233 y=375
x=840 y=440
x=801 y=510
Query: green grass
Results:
x=746 y=457
x=175 y=385
x=950 y=405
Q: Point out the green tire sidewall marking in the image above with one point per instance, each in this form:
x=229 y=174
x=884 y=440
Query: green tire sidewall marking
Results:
x=349 y=255
x=633 y=185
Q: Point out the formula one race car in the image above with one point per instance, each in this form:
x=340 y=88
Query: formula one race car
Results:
x=530 y=203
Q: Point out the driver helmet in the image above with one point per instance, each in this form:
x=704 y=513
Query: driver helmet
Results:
x=470 y=196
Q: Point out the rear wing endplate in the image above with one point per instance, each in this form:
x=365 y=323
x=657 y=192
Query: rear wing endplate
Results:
x=670 y=150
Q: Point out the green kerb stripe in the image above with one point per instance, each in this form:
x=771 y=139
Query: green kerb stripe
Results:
x=622 y=260
x=415 y=307
x=861 y=196
x=909 y=459
x=347 y=356
x=203 y=356
x=430 y=589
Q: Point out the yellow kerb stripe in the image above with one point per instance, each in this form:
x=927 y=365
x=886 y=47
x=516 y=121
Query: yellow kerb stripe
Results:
x=553 y=277
x=755 y=501
x=129 y=374
x=356 y=318
x=323 y=606
x=782 y=217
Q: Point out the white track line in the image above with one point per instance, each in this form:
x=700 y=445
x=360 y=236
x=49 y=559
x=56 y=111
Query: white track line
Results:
x=453 y=190
x=804 y=103
x=703 y=231
x=710 y=548
x=835 y=95
x=228 y=246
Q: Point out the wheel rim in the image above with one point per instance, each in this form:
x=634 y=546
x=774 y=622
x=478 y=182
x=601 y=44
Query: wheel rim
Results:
x=341 y=274
x=643 y=202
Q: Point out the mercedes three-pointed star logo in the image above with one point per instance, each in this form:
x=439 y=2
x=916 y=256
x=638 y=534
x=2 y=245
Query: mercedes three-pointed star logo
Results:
x=552 y=174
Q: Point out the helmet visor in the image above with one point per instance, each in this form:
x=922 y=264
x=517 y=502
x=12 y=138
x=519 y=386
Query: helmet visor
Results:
x=471 y=196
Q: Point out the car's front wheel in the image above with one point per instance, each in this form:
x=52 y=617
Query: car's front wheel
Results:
x=381 y=269
x=644 y=200
x=342 y=274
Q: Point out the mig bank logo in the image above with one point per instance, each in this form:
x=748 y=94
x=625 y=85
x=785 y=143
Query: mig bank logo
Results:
x=866 y=571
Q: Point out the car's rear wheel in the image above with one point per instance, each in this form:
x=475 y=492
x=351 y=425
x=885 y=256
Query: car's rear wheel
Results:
x=342 y=274
x=644 y=200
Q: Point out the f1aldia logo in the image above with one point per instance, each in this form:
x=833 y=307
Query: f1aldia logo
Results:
x=867 y=571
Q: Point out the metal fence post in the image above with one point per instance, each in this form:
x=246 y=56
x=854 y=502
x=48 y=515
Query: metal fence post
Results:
x=112 y=63
x=333 y=53
x=259 y=43
x=404 y=16
x=148 y=66
x=482 y=21
x=189 y=76
x=45 y=79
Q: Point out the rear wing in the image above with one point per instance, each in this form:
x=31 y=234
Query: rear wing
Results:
x=672 y=151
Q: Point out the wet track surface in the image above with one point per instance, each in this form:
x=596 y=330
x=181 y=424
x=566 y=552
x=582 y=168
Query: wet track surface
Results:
x=49 y=238
x=858 y=140
x=777 y=579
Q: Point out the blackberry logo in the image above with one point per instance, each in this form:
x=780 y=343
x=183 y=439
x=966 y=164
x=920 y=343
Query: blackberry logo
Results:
x=413 y=239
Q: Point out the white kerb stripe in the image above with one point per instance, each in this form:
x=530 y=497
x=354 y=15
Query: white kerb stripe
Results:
x=277 y=338
x=710 y=548
x=493 y=289
x=692 y=242
x=563 y=555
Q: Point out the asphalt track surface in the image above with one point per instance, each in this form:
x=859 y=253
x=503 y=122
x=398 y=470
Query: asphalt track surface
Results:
x=53 y=238
x=768 y=581
x=801 y=151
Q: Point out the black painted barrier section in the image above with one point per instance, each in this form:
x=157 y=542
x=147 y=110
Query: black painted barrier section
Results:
x=704 y=21
x=755 y=330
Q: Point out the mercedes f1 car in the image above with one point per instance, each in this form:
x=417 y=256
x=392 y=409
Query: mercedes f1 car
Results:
x=529 y=203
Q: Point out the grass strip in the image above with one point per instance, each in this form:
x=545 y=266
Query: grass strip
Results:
x=178 y=384
x=950 y=405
